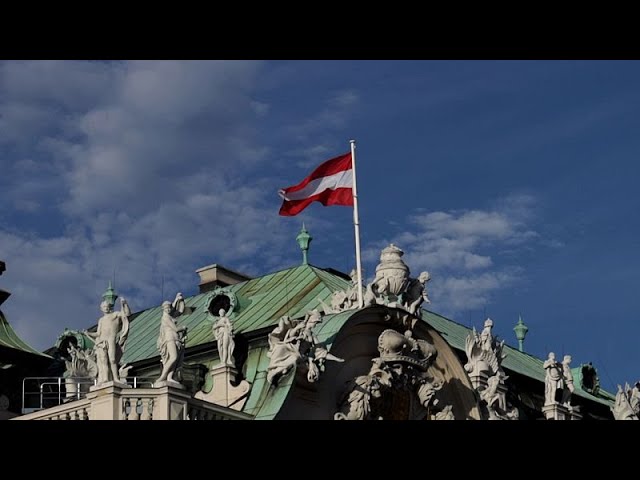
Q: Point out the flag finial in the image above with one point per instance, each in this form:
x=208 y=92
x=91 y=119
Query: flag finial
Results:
x=304 y=239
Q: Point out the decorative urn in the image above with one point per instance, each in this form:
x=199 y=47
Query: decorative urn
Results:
x=392 y=274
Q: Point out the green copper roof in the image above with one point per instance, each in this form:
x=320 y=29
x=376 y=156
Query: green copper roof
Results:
x=295 y=291
x=516 y=361
x=261 y=303
x=9 y=338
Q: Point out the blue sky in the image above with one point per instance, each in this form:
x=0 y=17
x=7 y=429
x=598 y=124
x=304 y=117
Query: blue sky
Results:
x=512 y=182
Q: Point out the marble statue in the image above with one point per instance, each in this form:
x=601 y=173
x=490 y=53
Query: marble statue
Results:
x=223 y=331
x=567 y=377
x=416 y=293
x=292 y=343
x=110 y=339
x=553 y=379
x=171 y=343
x=627 y=404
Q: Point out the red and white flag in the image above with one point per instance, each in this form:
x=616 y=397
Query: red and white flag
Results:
x=330 y=184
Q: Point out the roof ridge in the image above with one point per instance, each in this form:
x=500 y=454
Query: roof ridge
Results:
x=12 y=339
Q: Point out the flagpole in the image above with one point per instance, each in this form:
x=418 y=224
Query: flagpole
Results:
x=356 y=223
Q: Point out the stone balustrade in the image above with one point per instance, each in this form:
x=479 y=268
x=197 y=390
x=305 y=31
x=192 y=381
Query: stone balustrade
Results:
x=116 y=402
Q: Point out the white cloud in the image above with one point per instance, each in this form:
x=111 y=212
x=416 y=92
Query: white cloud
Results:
x=462 y=248
x=143 y=166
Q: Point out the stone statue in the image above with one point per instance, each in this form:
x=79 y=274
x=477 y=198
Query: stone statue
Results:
x=284 y=351
x=110 y=339
x=417 y=293
x=484 y=352
x=553 y=379
x=627 y=404
x=342 y=300
x=178 y=305
x=171 y=343
x=567 y=377
x=352 y=293
x=81 y=364
x=486 y=337
x=293 y=342
x=491 y=396
x=634 y=399
x=484 y=366
x=223 y=331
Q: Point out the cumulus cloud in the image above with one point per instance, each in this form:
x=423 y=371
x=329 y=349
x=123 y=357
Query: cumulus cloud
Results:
x=462 y=250
x=147 y=168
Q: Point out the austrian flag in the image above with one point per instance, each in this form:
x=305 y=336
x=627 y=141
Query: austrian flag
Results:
x=330 y=184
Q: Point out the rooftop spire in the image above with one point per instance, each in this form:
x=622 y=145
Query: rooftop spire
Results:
x=521 y=331
x=304 y=239
x=110 y=295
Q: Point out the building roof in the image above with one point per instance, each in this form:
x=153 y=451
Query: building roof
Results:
x=516 y=361
x=295 y=291
x=260 y=304
x=10 y=339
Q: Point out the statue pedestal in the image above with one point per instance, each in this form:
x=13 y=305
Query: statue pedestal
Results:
x=106 y=403
x=223 y=392
x=169 y=383
x=111 y=384
x=556 y=411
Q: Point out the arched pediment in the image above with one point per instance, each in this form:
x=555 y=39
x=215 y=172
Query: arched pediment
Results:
x=424 y=370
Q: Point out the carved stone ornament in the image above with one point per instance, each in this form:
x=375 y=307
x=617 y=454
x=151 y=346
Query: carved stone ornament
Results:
x=402 y=365
x=221 y=298
x=393 y=286
x=484 y=352
x=292 y=343
x=627 y=404
x=342 y=300
x=484 y=366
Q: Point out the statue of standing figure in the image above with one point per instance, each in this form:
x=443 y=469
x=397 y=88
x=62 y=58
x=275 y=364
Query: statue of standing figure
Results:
x=553 y=379
x=223 y=331
x=567 y=376
x=171 y=343
x=110 y=339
